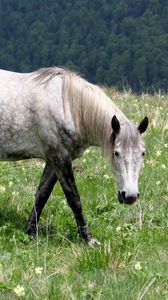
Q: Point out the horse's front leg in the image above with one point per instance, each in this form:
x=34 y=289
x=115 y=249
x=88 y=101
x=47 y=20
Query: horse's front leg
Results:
x=67 y=181
x=46 y=185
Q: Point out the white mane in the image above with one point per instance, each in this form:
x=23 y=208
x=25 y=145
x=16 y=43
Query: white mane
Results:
x=91 y=108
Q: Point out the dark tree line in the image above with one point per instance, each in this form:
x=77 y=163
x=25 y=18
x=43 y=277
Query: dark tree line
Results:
x=120 y=43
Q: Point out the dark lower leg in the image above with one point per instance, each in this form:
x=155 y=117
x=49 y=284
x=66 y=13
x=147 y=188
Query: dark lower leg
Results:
x=84 y=232
x=46 y=185
x=75 y=204
x=67 y=181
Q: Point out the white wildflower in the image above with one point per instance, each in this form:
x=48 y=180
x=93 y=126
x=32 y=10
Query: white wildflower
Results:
x=91 y=285
x=15 y=194
x=163 y=166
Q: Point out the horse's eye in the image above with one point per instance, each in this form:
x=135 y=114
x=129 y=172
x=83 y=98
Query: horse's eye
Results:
x=143 y=153
x=116 y=153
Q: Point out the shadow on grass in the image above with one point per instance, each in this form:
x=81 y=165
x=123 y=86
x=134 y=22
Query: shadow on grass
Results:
x=17 y=221
x=8 y=215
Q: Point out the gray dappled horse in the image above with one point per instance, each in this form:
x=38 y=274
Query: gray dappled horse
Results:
x=55 y=115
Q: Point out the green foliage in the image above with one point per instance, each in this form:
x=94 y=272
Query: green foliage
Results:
x=131 y=262
x=116 y=43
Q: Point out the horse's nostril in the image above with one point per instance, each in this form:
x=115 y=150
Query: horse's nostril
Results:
x=138 y=195
x=123 y=194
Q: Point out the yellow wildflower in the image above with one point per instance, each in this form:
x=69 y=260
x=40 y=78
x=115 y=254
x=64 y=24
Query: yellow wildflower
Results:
x=137 y=266
x=87 y=151
x=151 y=162
x=106 y=176
x=118 y=229
x=38 y=270
x=19 y=291
x=2 y=188
x=10 y=183
x=158 y=153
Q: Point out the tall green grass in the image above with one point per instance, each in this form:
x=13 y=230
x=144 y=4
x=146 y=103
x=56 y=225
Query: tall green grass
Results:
x=132 y=261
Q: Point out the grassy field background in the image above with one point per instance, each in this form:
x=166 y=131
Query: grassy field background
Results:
x=132 y=261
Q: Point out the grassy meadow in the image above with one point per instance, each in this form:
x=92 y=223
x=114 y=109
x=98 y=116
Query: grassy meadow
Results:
x=132 y=261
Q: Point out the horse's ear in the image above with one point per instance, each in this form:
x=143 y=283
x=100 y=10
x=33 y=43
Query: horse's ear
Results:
x=115 y=124
x=143 y=125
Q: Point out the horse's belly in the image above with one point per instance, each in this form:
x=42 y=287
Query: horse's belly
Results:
x=20 y=147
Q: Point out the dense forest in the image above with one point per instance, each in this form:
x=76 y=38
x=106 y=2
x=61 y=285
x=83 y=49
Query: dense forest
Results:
x=120 y=43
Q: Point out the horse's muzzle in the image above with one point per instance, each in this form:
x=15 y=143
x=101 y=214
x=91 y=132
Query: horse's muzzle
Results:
x=126 y=200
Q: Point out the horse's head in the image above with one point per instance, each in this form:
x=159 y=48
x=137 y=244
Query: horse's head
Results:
x=128 y=152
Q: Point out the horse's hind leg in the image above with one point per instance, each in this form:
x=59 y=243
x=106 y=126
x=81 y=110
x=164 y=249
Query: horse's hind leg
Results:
x=67 y=181
x=46 y=185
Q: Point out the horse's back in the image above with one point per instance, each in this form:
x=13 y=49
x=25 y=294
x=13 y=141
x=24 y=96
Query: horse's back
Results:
x=31 y=115
x=18 y=135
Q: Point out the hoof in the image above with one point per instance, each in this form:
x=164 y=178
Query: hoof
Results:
x=93 y=242
x=31 y=229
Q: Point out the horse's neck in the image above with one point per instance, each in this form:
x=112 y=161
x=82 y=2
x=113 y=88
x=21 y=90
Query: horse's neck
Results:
x=91 y=109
